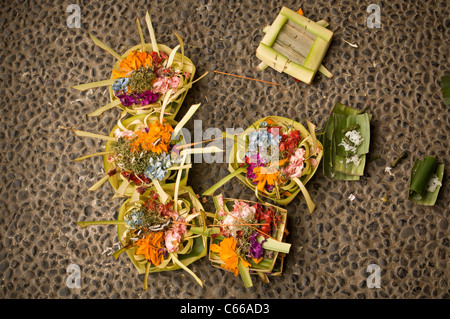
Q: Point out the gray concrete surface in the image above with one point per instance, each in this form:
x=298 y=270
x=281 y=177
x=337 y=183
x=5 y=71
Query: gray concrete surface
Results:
x=396 y=69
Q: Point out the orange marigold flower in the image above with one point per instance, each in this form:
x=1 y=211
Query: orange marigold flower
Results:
x=132 y=62
x=151 y=247
x=156 y=140
x=227 y=253
x=268 y=175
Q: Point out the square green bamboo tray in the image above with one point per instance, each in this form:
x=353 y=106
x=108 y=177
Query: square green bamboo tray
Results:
x=295 y=45
x=273 y=266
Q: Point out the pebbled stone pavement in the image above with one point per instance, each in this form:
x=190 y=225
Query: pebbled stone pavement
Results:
x=396 y=69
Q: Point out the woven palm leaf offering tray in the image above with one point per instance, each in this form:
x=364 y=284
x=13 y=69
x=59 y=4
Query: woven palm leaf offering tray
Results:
x=247 y=238
x=346 y=142
x=155 y=230
x=144 y=151
x=275 y=157
x=295 y=45
x=146 y=77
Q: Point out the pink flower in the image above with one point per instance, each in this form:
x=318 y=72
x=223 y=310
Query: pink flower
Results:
x=229 y=220
x=163 y=84
x=295 y=166
x=221 y=205
x=126 y=134
x=167 y=212
x=243 y=210
x=172 y=241
x=173 y=236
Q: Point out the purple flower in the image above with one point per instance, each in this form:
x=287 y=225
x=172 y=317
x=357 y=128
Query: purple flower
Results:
x=164 y=252
x=253 y=161
x=255 y=251
x=148 y=97
x=143 y=98
x=126 y=100
x=250 y=174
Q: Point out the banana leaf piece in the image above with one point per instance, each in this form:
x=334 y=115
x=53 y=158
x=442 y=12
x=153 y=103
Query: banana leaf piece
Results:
x=332 y=168
x=345 y=177
x=345 y=166
x=340 y=108
x=423 y=173
x=327 y=141
x=338 y=163
x=342 y=122
x=445 y=87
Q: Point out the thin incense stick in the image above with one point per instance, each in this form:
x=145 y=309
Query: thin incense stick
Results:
x=260 y=231
x=230 y=225
x=244 y=77
x=224 y=225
